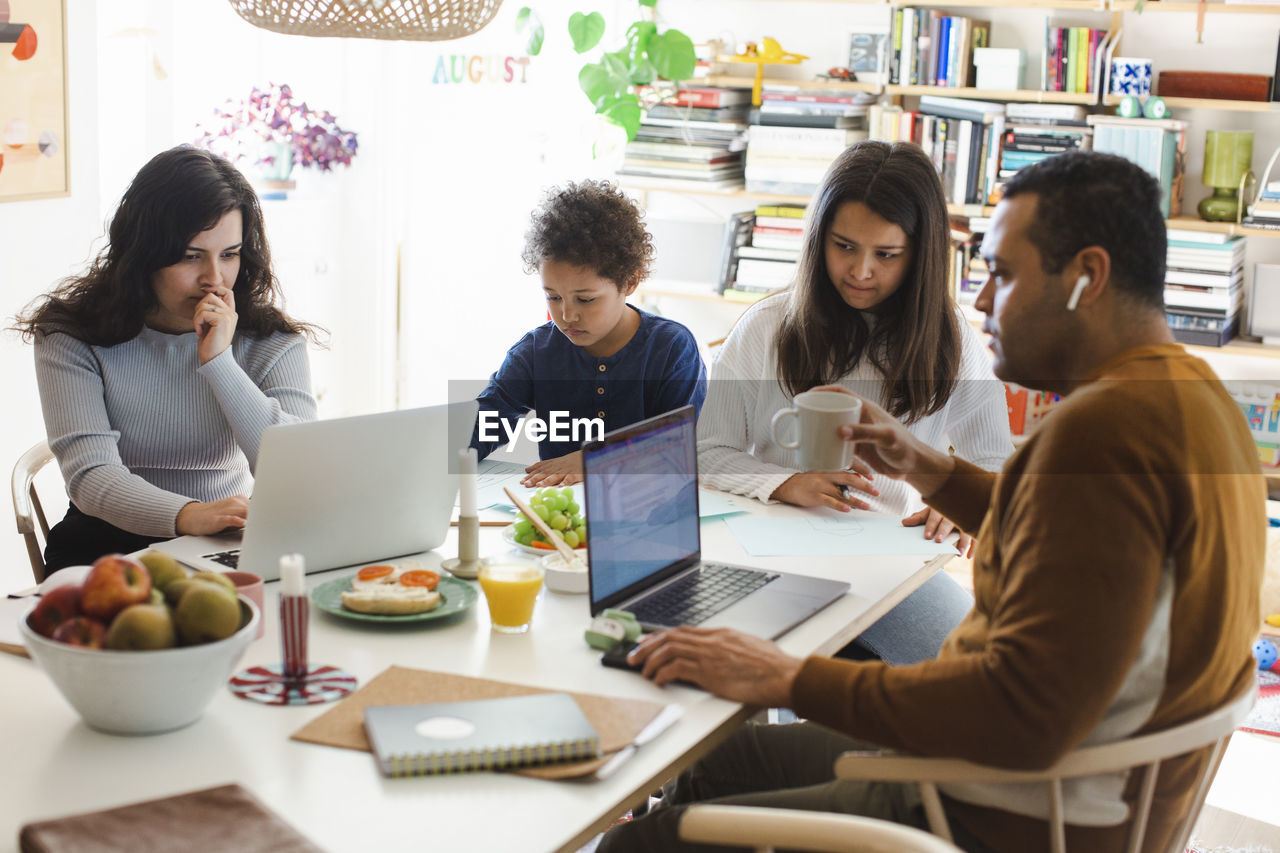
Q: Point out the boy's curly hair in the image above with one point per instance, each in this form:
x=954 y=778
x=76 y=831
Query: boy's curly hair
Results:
x=590 y=224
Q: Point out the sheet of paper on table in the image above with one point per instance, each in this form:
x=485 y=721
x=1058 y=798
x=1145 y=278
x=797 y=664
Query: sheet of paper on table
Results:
x=827 y=536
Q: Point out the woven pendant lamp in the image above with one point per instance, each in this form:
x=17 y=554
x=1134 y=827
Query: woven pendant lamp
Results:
x=400 y=20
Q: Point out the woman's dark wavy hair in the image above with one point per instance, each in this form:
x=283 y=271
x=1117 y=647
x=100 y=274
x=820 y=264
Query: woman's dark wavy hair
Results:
x=175 y=196
x=915 y=339
x=590 y=224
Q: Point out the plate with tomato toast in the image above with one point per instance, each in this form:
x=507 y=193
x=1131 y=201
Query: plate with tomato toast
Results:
x=394 y=593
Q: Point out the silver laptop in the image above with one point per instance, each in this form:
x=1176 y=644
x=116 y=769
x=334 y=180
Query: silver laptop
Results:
x=344 y=491
x=644 y=546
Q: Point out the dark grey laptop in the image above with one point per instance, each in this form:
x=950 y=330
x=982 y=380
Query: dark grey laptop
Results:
x=644 y=546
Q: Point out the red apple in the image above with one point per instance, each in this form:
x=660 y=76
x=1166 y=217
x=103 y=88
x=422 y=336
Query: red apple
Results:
x=55 y=607
x=82 y=631
x=114 y=582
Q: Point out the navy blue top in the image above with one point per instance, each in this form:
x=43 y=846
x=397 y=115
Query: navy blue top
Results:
x=658 y=370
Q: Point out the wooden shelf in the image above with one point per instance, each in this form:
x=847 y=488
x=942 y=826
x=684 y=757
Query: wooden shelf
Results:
x=1025 y=95
x=1193 y=8
x=732 y=81
x=1210 y=104
x=1191 y=223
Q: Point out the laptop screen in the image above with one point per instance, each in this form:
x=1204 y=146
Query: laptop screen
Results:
x=642 y=504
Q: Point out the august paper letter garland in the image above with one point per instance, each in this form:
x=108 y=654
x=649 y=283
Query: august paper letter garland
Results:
x=490 y=734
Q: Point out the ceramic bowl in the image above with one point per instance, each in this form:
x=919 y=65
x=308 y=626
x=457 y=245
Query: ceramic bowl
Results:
x=562 y=578
x=141 y=693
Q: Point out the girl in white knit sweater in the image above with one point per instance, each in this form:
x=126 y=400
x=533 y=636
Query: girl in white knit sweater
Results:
x=870 y=310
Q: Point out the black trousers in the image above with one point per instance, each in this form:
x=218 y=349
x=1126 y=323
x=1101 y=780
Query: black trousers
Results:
x=80 y=539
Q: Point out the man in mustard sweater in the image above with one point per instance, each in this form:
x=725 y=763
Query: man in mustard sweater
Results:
x=1116 y=575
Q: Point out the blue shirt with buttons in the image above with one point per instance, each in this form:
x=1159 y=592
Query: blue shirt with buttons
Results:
x=658 y=370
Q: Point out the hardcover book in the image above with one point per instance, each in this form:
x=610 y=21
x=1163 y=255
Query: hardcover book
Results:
x=490 y=734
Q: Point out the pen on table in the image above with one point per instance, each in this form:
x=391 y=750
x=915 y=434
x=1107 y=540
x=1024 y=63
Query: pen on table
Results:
x=1273 y=522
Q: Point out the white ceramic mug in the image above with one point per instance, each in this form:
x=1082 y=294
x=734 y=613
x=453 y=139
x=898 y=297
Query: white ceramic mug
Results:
x=819 y=416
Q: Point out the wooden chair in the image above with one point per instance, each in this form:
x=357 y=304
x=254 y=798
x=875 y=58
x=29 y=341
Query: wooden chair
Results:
x=765 y=829
x=1141 y=755
x=27 y=508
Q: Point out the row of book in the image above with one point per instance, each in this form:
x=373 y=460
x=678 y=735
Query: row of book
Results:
x=928 y=47
x=1074 y=58
x=1204 y=286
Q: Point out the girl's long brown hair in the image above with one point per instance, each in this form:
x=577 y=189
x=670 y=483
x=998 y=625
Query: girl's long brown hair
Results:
x=915 y=339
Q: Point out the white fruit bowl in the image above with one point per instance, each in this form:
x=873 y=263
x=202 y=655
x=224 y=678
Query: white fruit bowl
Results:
x=144 y=692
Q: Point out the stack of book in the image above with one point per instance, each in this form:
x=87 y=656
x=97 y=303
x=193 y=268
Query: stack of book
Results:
x=1265 y=212
x=1033 y=132
x=969 y=269
x=1203 y=286
x=696 y=136
x=1074 y=58
x=792 y=160
x=1157 y=145
x=768 y=263
x=791 y=106
x=928 y=47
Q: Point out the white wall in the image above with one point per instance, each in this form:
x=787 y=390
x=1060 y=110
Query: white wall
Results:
x=41 y=242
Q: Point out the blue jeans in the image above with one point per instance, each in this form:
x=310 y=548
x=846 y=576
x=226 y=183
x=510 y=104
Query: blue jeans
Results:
x=914 y=630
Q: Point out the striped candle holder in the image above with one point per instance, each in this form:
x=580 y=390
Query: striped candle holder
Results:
x=296 y=681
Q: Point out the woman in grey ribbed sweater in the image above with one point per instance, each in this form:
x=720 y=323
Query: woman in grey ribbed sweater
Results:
x=161 y=365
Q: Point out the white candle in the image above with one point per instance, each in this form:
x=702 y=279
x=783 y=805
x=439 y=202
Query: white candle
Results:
x=291 y=566
x=467 y=482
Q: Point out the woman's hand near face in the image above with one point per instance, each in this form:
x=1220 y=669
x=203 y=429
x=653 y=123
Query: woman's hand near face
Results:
x=835 y=489
x=215 y=323
x=561 y=471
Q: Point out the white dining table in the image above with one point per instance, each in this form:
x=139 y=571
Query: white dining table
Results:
x=55 y=765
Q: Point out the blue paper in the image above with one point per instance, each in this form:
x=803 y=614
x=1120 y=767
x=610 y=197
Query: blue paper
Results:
x=716 y=504
x=822 y=536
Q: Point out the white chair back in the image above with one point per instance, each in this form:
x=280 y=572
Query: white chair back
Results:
x=765 y=829
x=1141 y=755
x=27 y=509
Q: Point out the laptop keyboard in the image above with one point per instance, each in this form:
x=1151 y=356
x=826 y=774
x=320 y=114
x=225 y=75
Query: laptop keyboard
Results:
x=699 y=595
x=230 y=559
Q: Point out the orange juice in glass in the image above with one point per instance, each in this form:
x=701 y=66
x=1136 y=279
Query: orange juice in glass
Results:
x=511 y=588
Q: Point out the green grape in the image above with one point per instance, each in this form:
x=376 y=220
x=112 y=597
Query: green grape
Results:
x=581 y=530
x=559 y=521
x=536 y=500
x=567 y=491
x=524 y=525
x=525 y=538
x=573 y=506
x=571 y=538
x=548 y=492
x=542 y=512
x=575 y=520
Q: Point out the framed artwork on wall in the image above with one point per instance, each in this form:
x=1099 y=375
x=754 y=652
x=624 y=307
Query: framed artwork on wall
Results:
x=33 y=100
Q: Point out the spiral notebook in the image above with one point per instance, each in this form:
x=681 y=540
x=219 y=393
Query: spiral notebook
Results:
x=489 y=734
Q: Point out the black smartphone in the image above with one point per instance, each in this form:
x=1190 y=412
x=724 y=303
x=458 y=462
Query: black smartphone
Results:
x=616 y=657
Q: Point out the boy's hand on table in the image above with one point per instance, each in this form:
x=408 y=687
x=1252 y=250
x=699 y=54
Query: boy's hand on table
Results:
x=561 y=471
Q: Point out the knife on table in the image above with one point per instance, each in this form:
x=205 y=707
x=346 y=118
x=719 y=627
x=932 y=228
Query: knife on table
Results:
x=652 y=729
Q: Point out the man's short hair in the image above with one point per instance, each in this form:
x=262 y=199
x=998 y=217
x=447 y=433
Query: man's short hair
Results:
x=1091 y=199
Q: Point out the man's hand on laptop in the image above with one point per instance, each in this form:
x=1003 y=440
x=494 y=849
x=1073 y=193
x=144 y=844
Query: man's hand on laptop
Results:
x=728 y=663
x=890 y=449
x=561 y=471
x=206 y=519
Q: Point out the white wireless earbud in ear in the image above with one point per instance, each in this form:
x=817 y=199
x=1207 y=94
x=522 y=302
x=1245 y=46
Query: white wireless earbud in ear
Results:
x=1081 y=283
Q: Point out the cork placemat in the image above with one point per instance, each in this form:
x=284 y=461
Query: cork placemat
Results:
x=617 y=721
